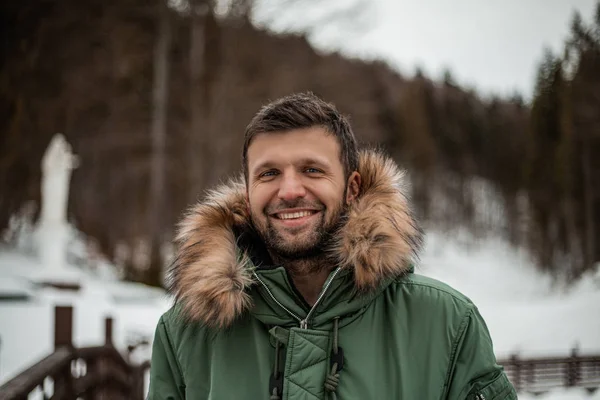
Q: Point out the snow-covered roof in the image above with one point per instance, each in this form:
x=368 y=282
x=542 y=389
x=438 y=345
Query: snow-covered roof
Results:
x=12 y=289
x=22 y=276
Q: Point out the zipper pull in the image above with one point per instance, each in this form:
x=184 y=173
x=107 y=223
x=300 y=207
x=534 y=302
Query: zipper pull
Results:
x=480 y=397
x=304 y=324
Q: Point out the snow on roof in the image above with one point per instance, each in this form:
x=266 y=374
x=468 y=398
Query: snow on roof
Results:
x=15 y=289
x=23 y=276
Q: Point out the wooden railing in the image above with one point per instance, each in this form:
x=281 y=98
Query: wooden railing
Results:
x=539 y=375
x=101 y=372
x=94 y=373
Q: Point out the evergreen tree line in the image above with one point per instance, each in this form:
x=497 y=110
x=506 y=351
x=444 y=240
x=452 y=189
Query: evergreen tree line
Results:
x=562 y=177
x=89 y=70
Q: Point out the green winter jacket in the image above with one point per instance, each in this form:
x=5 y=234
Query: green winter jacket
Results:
x=240 y=330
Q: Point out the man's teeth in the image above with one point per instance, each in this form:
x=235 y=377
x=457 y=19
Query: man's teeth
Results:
x=299 y=214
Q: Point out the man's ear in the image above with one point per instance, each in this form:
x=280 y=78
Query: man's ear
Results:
x=354 y=182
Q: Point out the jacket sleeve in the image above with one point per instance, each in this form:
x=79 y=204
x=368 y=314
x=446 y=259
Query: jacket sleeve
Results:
x=166 y=380
x=474 y=374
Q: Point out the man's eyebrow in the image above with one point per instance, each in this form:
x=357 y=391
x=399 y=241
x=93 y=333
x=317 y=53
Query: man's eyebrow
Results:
x=263 y=165
x=313 y=161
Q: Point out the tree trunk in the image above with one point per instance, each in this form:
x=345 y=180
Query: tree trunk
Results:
x=588 y=198
x=199 y=143
x=158 y=133
x=574 y=241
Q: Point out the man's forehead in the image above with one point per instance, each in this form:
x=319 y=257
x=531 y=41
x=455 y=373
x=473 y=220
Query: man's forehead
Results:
x=310 y=145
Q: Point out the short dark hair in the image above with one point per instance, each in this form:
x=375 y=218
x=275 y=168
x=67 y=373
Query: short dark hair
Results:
x=303 y=110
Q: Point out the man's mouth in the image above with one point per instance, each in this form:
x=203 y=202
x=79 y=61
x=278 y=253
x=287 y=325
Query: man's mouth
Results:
x=294 y=215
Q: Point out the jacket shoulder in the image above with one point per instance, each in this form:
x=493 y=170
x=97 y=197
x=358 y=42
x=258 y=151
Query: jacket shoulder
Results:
x=179 y=327
x=172 y=317
x=423 y=288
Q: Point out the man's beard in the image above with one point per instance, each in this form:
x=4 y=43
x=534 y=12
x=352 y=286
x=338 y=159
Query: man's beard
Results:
x=313 y=245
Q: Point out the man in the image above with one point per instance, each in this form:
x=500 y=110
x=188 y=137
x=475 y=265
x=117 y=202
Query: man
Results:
x=296 y=281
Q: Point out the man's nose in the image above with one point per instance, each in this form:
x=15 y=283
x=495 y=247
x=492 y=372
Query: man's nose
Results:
x=291 y=187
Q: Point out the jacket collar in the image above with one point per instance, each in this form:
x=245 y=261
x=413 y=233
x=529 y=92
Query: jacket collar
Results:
x=211 y=276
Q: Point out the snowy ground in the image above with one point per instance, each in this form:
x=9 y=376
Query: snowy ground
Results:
x=525 y=312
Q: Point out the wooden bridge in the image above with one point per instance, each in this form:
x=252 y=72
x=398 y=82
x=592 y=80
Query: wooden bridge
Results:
x=539 y=375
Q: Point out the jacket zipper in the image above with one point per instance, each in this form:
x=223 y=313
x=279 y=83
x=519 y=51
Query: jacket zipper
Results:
x=275 y=300
x=480 y=397
x=303 y=322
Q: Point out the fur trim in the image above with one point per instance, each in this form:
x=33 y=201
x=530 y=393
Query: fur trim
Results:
x=210 y=274
x=380 y=237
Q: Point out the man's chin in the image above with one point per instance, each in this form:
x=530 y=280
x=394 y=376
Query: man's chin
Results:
x=298 y=253
x=294 y=249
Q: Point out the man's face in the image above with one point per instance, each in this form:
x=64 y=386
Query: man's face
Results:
x=296 y=189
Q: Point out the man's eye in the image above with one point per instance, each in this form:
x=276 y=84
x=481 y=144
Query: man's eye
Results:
x=312 y=170
x=267 y=174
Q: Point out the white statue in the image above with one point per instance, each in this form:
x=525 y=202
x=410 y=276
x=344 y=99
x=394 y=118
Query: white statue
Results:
x=57 y=165
x=52 y=229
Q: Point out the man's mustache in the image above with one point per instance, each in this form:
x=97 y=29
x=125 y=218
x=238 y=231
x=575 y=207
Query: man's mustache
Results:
x=285 y=205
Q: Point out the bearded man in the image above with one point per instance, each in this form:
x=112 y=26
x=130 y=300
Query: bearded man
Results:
x=296 y=281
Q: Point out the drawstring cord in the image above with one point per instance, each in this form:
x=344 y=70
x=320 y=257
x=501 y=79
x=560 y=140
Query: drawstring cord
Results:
x=275 y=385
x=337 y=361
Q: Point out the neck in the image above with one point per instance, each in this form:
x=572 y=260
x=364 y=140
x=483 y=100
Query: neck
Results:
x=308 y=274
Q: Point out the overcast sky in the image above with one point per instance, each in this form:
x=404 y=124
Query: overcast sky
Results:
x=494 y=46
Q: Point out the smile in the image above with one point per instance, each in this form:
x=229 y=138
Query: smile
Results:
x=294 y=215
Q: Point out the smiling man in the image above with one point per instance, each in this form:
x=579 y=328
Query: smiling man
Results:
x=297 y=193
x=296 y=281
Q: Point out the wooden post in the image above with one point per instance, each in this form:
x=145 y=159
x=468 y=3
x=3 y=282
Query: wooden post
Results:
x=137 y=385
x=573 y=367
x=63 y=336
x=517 y=367
x=63 y=326
x=93 y=368
x=107 y=390
x=108 y=331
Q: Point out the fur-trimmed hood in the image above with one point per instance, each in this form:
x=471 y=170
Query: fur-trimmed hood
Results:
x=212 y=272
